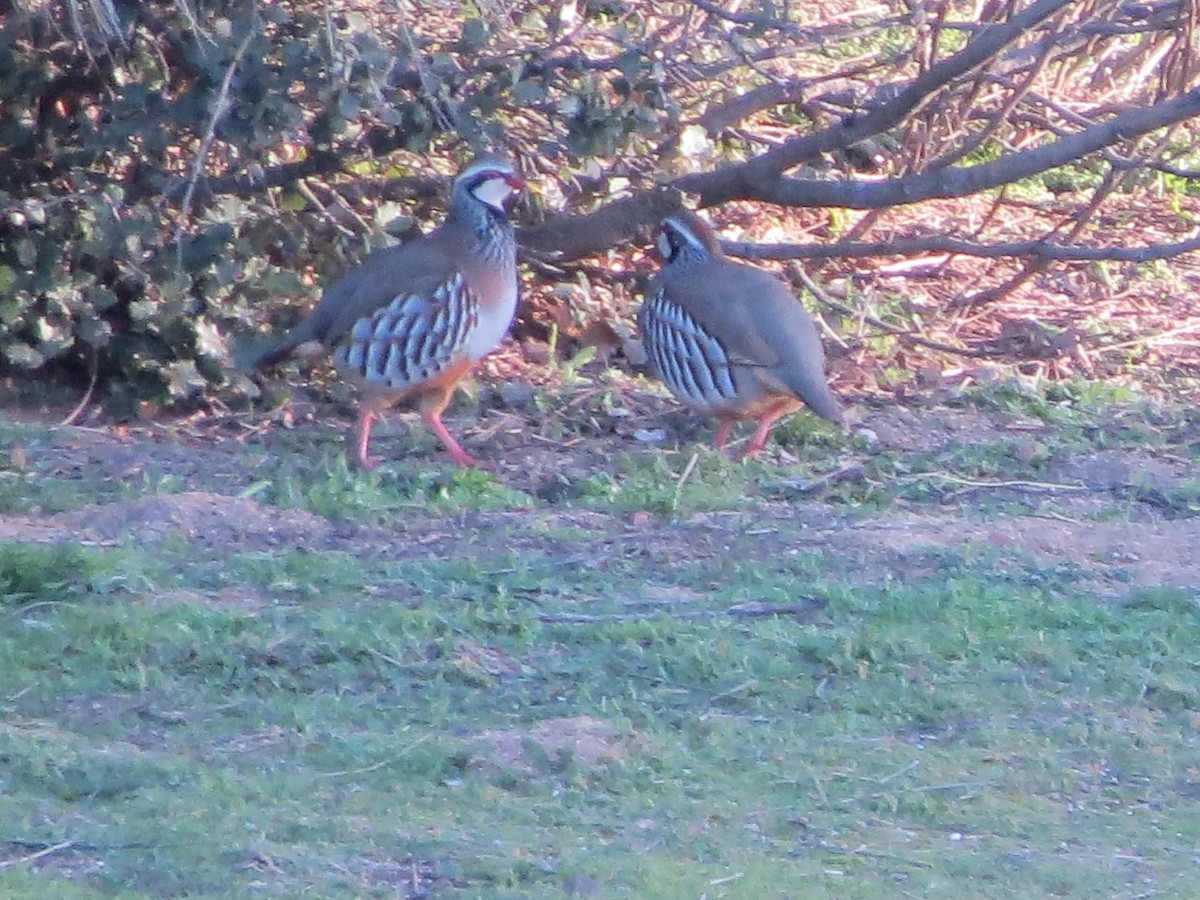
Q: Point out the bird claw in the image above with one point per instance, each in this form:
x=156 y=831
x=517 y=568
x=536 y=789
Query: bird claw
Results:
x=467 y=461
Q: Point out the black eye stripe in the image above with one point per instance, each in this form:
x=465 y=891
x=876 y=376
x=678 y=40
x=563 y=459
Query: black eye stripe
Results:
x=682 y=240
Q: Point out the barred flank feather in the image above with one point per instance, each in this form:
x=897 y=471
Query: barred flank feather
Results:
x=412 y=339
x=690 y=361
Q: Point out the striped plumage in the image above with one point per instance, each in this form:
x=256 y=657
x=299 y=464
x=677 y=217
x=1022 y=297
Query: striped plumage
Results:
x=411 y=340
x=690 y=361
x=730 y=340
x=410 y=321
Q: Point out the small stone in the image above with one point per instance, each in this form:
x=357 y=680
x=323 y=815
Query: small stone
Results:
x=516 y=394
x=868 y=436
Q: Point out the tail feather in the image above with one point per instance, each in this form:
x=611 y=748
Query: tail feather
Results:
x=820 y=399
x=275 y=355
x=806 y=378
x=300 y=341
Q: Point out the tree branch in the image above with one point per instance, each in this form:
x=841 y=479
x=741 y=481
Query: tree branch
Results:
x=750 y=179
x=765 y=22
x=572 y=237
x=960 y=182
x=244 y=184
x=724 y=115
x=578 y=236
x=936 y=243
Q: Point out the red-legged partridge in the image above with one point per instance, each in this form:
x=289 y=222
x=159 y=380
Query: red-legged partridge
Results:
x=730 y=340
x=410 y=321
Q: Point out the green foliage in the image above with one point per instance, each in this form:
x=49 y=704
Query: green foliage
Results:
x=99 y=274
x=118 y=261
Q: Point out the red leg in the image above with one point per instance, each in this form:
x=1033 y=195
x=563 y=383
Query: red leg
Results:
x=362 y=438
x=433 y=419
x=765 y=422
x=722 y=435
x=434 y=399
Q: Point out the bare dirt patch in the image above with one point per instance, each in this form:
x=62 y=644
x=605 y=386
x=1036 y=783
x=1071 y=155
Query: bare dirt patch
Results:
x=205 y=519
x=1115 y=512
x=1115 y=555
x=588 y=742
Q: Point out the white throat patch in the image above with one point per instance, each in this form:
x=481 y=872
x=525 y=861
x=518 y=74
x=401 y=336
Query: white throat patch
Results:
x=493 y=191
x=664 y=246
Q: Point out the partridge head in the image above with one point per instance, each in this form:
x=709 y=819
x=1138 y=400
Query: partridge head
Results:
x=730 y=340
x=409 y=322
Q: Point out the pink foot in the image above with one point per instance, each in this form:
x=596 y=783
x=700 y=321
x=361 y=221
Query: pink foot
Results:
x=366 y=463
x=434 y=422
x=463 y=458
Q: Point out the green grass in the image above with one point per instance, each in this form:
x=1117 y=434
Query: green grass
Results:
x=317 y=478
x=969 y=723
x=974 y=725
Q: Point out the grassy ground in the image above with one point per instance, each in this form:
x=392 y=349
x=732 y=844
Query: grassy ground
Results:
x=957 y=663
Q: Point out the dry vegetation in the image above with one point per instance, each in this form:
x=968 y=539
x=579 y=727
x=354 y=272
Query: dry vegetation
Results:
x=1045 y=164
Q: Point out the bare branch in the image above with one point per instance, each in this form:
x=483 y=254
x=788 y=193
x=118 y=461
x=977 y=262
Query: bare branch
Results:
x=725 y=115
x=752 y=178
x=572 y=237
x=577 y=236
x=936 y=243
x=739 y=18
x=378 y=141
x=1168 y=169
x=220 y=108
x=957 y=182
x=244 y=184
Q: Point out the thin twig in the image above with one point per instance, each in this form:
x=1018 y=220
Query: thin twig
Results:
x=329 y=42
x=87 y=395
x=219 y=109
x=687 y=471
x=1036 y=264
x=193 y=22
x=379 y=654
x=727 y=879
x=1150 y=340
x=737 y=689
x=751 y=609
x=383 y=763
x=307 y=193
x=927 y=788
x=32 y=857
x=937 y=243
x=1015 y=483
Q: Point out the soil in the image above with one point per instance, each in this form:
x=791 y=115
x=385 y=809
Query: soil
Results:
x=1098 y=512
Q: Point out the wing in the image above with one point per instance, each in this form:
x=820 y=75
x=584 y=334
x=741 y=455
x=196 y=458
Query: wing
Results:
x=691 y=362
x=412 y=339
x=768 y=338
